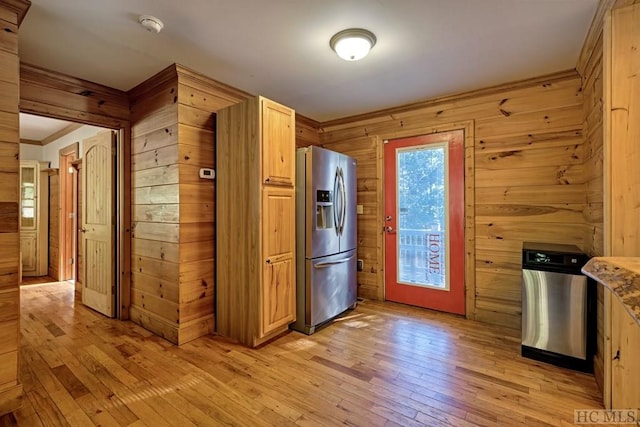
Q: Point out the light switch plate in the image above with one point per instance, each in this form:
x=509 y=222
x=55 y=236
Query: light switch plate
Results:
x=360 y=209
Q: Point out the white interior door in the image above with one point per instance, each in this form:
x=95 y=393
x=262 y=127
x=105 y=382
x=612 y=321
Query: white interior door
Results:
x=98 y=222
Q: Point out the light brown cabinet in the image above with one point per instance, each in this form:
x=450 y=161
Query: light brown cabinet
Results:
x=621 y=197
x=625 y=365
x=278 y=127
x=278 y=285
x=255 y=220
x=34 y=218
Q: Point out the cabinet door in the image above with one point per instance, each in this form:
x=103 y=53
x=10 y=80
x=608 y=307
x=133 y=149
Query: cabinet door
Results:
x=278 y=144
x=625 y=370
x=28 y=249
x=277 y=293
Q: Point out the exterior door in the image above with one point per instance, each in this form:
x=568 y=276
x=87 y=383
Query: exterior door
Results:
x=98 y=223
x=424 y=221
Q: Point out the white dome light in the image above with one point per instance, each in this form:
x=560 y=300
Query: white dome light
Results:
x=353 y=44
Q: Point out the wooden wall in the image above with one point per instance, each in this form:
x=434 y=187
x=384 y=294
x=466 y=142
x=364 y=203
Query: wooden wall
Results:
x=591 y=70
x=155 y=205
x=173 y=209
x=198 y=99
x=306 y=131
x=593 y=133
x=54 y=225
x=11 y=13
x=529 y=184
x=47 y=93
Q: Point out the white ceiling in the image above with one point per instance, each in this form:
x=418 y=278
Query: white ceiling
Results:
x=38 y=128
x=280 y=48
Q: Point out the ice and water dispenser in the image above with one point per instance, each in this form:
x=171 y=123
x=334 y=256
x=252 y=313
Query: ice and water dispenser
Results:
x=324 y=209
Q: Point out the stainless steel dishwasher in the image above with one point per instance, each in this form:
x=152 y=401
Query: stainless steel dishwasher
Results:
x=558 y=306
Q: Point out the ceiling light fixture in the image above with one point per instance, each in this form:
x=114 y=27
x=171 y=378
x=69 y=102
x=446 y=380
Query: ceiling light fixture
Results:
x=151 y=23
x=353 y=44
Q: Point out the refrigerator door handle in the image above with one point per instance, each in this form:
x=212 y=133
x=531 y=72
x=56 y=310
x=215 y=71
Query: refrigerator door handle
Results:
x=343 y=189
x=336 y=189
x=341 y=195
x=330 y=263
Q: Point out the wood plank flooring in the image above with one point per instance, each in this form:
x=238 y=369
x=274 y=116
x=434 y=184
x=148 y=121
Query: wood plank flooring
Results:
x=382 y=365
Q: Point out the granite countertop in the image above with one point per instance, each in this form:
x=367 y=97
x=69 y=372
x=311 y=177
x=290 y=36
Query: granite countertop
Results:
x=622 y=276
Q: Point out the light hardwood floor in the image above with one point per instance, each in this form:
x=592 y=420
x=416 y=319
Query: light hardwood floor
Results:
x=382 y=365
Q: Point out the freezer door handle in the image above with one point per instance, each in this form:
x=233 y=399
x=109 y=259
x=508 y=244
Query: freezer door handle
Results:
x=336 y=189
x=330 y=263
x=343 y=196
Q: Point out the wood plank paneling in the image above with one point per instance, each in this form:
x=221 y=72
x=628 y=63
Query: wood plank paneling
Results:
x=306 y=131
x=527 y=155
x=9 y=94
x=592 y=83
x=156 y=249
x=199 y=98
x=155 y=198
x=47 y=93
x=11 y=14
x=9 y=37
x=8 y=217
x=173 y=208
x=149 y=285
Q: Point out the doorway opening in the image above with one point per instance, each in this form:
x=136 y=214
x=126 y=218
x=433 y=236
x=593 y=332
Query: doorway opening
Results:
x=68 y=217
x=58 y=149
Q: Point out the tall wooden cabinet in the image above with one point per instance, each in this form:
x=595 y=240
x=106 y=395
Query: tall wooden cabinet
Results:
x=621 y=122
x=255 y=220
x=34 y=217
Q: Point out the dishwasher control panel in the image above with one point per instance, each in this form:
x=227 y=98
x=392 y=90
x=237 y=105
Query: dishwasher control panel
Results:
x=537 y=257
x=552 y=256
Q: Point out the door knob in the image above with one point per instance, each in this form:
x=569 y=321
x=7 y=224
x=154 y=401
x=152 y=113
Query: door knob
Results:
x=84 y=230
x=388 y=229
x=388 y=218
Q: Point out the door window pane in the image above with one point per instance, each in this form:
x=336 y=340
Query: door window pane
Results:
x=422 y=212
x=27 y=196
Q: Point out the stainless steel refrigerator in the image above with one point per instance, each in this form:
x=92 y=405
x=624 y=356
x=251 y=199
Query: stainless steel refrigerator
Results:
x=325 y=236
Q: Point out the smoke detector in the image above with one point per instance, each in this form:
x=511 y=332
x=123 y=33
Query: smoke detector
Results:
x=151 y=23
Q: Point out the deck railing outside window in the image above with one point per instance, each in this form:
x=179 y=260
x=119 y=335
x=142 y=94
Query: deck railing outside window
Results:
x=422 y=257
